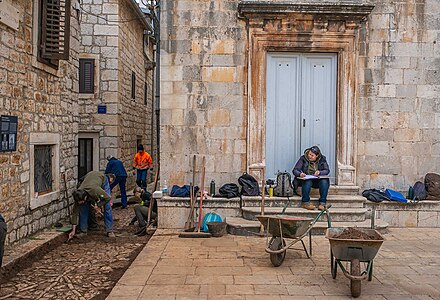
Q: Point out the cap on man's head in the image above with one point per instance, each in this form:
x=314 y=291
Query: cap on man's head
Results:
x=79 y=195
x=109 y=157
x=111 y=176
x=140 y=147
x=315 y=150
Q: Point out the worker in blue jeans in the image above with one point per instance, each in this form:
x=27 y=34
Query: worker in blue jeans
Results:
x=94 y=192
x=116 y=167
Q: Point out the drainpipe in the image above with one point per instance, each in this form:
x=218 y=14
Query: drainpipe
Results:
x=156 y=24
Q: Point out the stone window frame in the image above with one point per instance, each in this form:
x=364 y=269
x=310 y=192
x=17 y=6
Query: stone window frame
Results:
x=96 y=76
x=320 y=28
x=53 y=140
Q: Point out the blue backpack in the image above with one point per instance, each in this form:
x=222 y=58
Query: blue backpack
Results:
x=180 y=191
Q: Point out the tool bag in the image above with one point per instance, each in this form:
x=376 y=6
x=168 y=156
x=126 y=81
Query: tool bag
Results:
x=395 y=196
x=284 y=186
x=229 y=190
x=180 y=191
x=249 y=185
x=375 y=195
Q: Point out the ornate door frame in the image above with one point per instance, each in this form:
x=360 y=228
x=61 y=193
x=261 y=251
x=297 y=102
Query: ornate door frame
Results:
x=324 y=28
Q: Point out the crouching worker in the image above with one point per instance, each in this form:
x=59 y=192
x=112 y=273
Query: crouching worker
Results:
x=92 y=194
x=141 y=210
x=312 y=163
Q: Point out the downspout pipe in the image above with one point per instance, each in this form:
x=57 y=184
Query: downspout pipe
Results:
x=157 y=33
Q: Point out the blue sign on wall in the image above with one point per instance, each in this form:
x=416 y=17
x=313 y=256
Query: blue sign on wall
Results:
x=102 y=109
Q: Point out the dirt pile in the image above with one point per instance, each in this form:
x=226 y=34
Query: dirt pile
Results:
x=351 y=233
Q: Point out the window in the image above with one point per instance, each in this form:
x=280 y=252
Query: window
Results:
x=86 y=76
x=54 y=31
x=133 y=85
x=42 y=169
x=145 y=94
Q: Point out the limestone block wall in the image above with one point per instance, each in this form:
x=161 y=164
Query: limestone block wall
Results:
x=399 y=100
x=135 y=115
x=204 y=87
x=46 y=103
x=99 y=40
x=203 y=90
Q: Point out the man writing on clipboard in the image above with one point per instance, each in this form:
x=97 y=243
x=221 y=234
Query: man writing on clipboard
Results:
x=315 y=164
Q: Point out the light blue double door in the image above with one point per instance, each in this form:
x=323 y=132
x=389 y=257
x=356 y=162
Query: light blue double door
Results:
x=300 y=108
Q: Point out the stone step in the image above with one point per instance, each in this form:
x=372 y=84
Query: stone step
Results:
x=241 y=226
x=347 y=201
x=336 y=214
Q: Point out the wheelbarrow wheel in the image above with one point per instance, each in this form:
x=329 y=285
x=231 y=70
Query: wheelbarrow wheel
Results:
x=355 y=270
x=276 y=243
x=334 y=265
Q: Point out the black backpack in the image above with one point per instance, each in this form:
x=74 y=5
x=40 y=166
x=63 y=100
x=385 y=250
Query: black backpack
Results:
x=249 y=185
x=229 y=190
x=284 y=186
x=375 y=195
x=419 y=191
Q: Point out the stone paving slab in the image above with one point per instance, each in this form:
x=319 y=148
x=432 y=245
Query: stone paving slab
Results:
x=237 y=267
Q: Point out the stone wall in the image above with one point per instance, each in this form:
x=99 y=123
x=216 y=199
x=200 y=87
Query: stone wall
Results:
x=204 y=88
x=399 y=85
x=115 y=41
x=46 y=103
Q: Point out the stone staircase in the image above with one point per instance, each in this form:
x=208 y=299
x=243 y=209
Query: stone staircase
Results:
x=348 y=209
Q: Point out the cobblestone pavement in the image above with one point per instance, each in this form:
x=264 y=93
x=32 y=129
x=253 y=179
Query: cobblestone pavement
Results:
x=232 y=267
x=84 y=268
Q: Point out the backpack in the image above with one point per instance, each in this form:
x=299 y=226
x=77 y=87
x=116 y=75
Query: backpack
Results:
x=419 y=191
x=180 y=191
x=284 y=186
x=375 y=195
x=249 y=185
x=229 y=190
x=395 y=196
x=432 y=185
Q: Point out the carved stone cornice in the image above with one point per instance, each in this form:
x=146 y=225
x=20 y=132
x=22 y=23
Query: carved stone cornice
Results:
x=338 y=10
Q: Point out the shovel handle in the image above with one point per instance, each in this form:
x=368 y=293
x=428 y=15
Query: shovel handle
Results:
x=202 y=188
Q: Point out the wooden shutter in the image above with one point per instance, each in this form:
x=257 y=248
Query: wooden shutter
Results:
x=86 y=76
x=133 y=85
x=55 y=29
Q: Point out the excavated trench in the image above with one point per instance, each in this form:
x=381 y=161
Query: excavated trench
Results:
x=86 y=268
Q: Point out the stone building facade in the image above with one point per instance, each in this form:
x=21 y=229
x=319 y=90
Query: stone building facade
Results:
x=43 y=93
x=214 y=85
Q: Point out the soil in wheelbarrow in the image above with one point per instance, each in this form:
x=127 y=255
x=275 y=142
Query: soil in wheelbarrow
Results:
x=351 y=233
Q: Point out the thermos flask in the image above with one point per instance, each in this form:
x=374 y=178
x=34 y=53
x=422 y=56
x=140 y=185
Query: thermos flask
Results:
x=212 y=188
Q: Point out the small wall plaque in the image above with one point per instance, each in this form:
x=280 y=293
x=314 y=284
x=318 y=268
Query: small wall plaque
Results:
x=8 y=133
x=102 y=109
x=9 y=15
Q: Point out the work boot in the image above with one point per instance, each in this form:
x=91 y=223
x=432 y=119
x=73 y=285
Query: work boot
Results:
x=321 y=206
x=141 y=230
x=111 y=234
x=308 y=206
x=143 y=233
x=80 y=234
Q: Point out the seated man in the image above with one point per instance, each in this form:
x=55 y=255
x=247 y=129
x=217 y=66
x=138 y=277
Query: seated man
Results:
x=141 y=210
x=312 y=163
x=94 y=192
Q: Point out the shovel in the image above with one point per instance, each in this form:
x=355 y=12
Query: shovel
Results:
x=190 y=225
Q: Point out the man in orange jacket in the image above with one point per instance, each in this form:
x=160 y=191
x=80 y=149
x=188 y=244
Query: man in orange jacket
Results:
x=142 y=162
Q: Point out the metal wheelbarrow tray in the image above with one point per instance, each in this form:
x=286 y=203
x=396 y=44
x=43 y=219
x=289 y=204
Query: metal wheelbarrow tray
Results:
x=354 y=250
x=281 y=227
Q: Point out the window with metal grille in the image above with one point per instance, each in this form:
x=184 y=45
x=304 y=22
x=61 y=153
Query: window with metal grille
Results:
x=54 y=31
x=145 y=93
x=133 y=85
x=86 y=76
x=43 y=169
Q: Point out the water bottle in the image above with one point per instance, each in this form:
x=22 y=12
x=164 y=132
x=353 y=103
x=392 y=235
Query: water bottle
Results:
x=165 y=188
x=212 y=188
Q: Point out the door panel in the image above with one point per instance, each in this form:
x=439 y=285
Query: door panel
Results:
x=300 y=108
x=281 y=113
x=85 y=156
x=319 y=105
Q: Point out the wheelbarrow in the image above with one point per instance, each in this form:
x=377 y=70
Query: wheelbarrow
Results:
x=292 y=228
x=358 y=249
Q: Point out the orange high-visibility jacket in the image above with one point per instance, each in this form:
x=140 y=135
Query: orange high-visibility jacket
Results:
x=142 y=160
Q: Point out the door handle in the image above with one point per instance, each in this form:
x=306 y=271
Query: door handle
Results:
x=304 y=122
